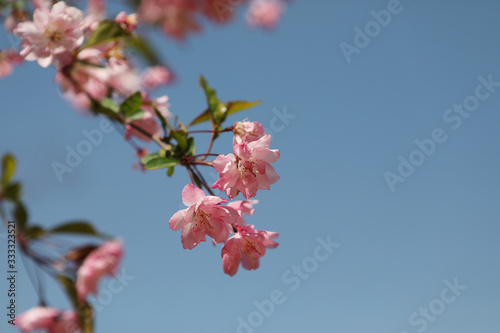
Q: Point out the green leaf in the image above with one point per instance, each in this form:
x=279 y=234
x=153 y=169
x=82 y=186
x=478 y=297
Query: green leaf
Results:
x=197 y=180
x=108 y=103
x=161 y=163
x=131 y=104
x=34 y=232
x=170 y=171
x=237 y=106
x=107 y=31
x=164 y=123
x=98 y=108
x=8 y=169
x=82 y=309
x=216 y=107
x=202 y=117
x=21 y=215
x=149 y=157
x=180 y=137
x=231 y=107
x=75 y=227
x=145 y=49
x=191 y=148
x=137 y=115
x=13 y=191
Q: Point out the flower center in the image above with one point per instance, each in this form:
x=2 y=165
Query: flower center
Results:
x=202 y=221
x=249 y=247
x=54 y=35
x=245 y=168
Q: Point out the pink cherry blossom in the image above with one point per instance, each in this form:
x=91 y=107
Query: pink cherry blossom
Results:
x=101 y=262
x=252 y=130
x=175 y=17
x=160 y=103
x=90 y=79
x=96 y=8
x=155 y=76
x=96 y=11
x=243 y=207
x=37 y=318
x=123 y=78
x=128 y=22
x=147 y=124
x=67 y=322
x=95 y=71
x=248 y=169
x=49 y=319
x=220 y=11
x=265 y=13
x=51 y=34
x=7 y=59
x=247 y=246
x=204 y=216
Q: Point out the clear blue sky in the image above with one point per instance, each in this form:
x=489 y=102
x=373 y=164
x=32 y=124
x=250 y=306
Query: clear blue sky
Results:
x=352 y=122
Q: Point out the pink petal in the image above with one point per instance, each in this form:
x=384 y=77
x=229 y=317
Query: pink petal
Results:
x=177 y=220
x=190 y=238
x=192 y=194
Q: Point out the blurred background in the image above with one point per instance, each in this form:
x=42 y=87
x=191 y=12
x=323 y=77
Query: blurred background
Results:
x=416 y=249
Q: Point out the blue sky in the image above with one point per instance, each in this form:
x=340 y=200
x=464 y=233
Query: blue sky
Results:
x=396 y=253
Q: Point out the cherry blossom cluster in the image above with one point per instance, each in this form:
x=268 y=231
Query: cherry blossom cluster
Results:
x=78 y=269
x=177 y=18
x=247 y=170
x=59 y=36
x=101 y=261
x=89 y=54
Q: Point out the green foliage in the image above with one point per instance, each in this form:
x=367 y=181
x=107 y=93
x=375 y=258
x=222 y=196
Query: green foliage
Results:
x=197 y=180
x=34 y=232
x=107 y=31
x=75 y=227
x=8 y=169
x=237 y=106
x=181 y=138
x=218 y=111
x=13 y=191
x=108 y=103
x=136 y=115
x=164 y=122
x=215 y=106
x=149 y=157
x=108 y=109
x=20 y=215
x=161 y=163
x=131 y=104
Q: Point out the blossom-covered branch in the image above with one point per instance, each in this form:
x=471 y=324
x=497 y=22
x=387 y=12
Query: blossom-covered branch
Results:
x=95 y=72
